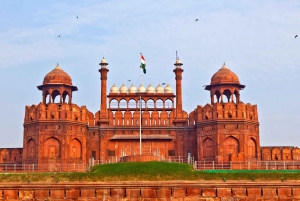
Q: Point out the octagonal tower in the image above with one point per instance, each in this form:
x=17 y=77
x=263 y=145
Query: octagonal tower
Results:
x=55 y=129
x=227 y=129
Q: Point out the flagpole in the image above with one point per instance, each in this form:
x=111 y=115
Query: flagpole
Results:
x=141 y=113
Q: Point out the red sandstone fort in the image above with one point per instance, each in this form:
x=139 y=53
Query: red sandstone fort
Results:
x=57 y=131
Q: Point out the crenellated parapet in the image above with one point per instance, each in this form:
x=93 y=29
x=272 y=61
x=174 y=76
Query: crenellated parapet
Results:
x=56 y=112
x=280 y=153
x=225 y=111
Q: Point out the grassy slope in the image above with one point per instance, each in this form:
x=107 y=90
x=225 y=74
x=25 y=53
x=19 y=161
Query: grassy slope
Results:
x=151 y=171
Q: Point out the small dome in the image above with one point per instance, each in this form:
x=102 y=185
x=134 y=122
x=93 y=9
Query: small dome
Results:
x=132 y=89
x=150 y=89
x=168 y=89
x=103 y=61
x=114 y=89
x=123 y=89
x=178 y=63
x=224 y=76
x=141 y=89
x=159 y=89
x=57 y=76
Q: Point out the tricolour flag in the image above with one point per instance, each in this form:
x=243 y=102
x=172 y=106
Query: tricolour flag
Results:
x=143 y=63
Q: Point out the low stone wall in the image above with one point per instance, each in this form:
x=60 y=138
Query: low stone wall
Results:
x=142 y=158
x=152 y=191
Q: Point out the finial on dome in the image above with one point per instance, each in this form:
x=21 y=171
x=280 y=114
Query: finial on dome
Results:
x=57 y=66
x=224 y=66
x=178 y=63
x=103 y=63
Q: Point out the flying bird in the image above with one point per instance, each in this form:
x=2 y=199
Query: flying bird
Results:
x=196 y=20
x=128 y=80
x=77 y=17
x=58 y=35
x=163 y=83
x=296 y=36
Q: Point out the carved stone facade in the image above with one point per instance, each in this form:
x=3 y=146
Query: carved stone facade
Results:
x=57 y=131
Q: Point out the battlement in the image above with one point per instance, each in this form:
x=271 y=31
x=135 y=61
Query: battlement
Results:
x=58 y=111
x=224 y=111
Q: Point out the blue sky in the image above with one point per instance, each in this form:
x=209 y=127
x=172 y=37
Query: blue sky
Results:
x=254 y=38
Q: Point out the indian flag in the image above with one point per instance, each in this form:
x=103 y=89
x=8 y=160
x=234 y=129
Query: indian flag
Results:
x=143 y=63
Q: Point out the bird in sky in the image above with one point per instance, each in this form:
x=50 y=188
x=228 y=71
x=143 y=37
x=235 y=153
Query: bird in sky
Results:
x=196 y=20
x=77 y=17
x=163 y=83
x=128 y=80
x=296 y=36
x=58 y=35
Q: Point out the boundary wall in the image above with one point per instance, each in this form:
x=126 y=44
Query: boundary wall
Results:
x=152 y=191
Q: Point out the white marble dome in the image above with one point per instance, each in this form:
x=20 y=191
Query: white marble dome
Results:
x=132 y=89
x=123 y=89
x=150 y=89
x=114 y=89
x=159 y=89
x=168 y=89
x=141 y=89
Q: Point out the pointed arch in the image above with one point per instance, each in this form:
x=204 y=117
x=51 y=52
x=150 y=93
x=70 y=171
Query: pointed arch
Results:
x=169 y=103
x=123 y=103
x=159 y=103
x=150 y=103
x=65 y=97
x=231 y=146
x=52 y=148
x=217 y=96
x=227 y=93
x=208 y=149
x=276 y=154
x=53 y=96
x=31 y=148
x=113 y=103
x=75 y=148
x=251 y=148
x=296 y=153
x=132 y=103
x=286 y=154
x=266 y=154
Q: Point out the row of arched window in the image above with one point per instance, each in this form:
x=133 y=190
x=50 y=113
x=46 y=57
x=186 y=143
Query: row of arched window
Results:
x=150 y=103
x=52 y=148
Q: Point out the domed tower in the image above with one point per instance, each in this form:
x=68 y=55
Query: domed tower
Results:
x=57 y=83
x=55 y=129
x=227 y=129
x=225 y=83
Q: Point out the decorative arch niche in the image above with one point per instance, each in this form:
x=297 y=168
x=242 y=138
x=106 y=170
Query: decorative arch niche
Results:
x=208 y=148
x=52 y=148
x=251 y=148
x=75 y=149
x=230 y=146
x=31 y=148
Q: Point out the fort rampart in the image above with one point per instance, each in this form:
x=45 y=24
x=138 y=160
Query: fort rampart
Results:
x=152 y=191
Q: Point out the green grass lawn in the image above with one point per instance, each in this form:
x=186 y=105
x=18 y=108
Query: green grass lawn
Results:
x=151 y=171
